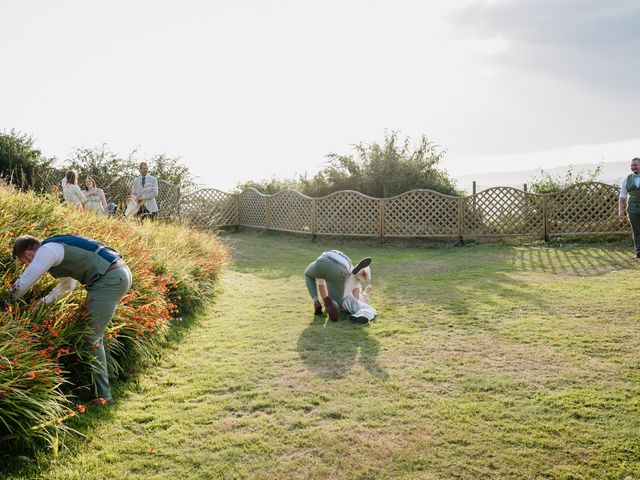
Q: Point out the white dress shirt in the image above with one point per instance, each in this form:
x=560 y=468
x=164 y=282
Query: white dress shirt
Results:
x=623 y=185
x=47 y=256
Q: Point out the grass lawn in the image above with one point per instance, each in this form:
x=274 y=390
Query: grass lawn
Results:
x=484 y=362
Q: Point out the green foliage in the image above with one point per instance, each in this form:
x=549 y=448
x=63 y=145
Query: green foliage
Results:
x=549 y=183
x=171 y=170
x=19 y=159
x=376 y=170
x=106 y=165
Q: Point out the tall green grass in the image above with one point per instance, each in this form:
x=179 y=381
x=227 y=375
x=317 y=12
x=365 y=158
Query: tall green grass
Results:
x=43 y=370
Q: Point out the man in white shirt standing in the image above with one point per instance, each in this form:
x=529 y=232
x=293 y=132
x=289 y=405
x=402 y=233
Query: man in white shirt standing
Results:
x=145 y=191
x=630 y=196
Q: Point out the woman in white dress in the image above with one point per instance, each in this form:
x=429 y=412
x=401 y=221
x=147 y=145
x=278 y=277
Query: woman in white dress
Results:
x=71 y=191
x=96 y=200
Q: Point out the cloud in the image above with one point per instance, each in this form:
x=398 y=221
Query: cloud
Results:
x=592 y=41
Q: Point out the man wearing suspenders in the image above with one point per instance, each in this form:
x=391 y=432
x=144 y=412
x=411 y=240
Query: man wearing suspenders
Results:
x=73 y=259
x=630 y=195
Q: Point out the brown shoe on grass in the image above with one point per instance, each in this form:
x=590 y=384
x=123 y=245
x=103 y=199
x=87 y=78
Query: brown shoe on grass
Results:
x=331 y=309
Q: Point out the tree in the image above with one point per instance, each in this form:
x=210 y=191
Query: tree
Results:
x=102 y=163
x=549 y=183
x=376 y=170
x=19 y=160
x=171 y=170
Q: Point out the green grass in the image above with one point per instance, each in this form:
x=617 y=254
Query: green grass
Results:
x=484 y=362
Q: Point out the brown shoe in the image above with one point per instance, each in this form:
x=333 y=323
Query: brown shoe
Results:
x=331 y=309
x=317 y=308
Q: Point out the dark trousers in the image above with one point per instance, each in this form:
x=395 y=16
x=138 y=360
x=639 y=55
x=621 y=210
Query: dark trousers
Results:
x=144 y=214
x=634 y=220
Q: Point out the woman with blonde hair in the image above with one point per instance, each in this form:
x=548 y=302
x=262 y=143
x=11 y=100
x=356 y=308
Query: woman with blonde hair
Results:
x=71 y=191
x=96 y=200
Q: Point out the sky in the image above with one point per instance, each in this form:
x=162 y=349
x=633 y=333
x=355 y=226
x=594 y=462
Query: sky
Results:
x=251 y=89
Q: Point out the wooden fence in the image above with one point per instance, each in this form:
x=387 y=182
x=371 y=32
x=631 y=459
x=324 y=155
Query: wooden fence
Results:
x=582 y=209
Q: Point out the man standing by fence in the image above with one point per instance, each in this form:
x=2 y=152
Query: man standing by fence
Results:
x=145 y=191
x=630 y=195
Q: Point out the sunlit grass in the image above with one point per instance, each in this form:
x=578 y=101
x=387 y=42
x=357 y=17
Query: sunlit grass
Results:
x=485 y=362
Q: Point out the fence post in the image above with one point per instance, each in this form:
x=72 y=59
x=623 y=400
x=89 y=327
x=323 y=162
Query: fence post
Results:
x=268 y=211
x=545 y=217
x=314 y=218
x=461 y=217
x=382 y=201
x=237 y=201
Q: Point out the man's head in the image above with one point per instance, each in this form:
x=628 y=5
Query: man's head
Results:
x=25 y=247
x=144 y=169
x=635 y=165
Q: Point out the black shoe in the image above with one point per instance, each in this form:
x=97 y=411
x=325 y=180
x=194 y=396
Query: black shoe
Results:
x=363 y=320
x=318 y=308
x=365 y=262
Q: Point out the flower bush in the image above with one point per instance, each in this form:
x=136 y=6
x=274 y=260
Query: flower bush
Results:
x=44 y=373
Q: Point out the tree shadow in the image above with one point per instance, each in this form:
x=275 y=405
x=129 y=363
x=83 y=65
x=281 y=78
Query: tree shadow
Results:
x=331 y=350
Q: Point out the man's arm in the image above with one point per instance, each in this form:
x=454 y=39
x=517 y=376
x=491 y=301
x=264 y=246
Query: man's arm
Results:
x=65 y=284
x=622 y=200
x=150 y=191
x=46 y=257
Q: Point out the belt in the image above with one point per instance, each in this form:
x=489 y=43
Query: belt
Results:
x=117 y=264
x=346 y=269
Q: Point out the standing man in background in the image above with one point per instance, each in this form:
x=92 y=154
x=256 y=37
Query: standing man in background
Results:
x=630 y=196
x=145 y=191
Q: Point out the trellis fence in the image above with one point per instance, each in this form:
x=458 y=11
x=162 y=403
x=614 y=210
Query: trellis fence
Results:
x=582 y=209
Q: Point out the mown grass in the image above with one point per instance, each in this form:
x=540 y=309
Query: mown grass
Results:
x=485 y=362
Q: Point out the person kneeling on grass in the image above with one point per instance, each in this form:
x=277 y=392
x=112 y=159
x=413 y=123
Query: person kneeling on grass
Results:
x=72 y=259
x=340 y=278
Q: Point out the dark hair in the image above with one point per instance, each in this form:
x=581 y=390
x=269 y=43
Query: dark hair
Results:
x=24 y=244
x=636 y=159
x=72 y=177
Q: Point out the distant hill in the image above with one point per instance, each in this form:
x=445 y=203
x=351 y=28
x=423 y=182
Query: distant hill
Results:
x=611 y=173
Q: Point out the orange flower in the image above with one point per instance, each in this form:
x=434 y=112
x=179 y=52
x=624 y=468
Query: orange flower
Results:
x=80 y=408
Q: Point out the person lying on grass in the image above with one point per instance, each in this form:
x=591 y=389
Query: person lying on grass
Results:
x=335 y=268
x=73 y=259
x=355 y=301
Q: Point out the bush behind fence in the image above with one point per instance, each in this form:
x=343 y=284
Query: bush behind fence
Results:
x=582 y=209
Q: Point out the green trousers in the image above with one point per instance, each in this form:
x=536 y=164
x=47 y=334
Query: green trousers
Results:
x=103 y=297
x=333 y=274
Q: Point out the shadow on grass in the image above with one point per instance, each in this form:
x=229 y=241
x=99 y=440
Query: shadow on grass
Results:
x=331 y=350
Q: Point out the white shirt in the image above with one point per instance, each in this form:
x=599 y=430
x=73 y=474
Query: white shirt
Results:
x=623 y=186
x=73 y=194
x=47 y=256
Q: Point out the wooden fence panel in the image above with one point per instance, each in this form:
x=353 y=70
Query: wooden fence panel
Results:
x=348 y=213
x=421 y=213
x=589 y=207
x=503 y=211
x=290 y=211
x=252 y=208
x=209 y=208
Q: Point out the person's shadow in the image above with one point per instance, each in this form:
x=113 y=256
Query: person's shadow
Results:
x=331 y=350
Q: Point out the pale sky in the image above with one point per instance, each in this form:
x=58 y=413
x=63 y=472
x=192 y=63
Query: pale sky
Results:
x=250 y=89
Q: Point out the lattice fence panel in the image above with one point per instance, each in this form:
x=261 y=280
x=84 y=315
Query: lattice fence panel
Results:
x=503 y=211
x=421 y=213
x=348 y=213
x=209 y=209
x=252 y=207
x=291 y=211
x=585 y=208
